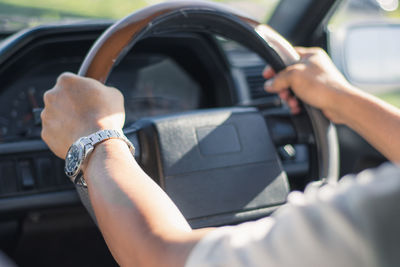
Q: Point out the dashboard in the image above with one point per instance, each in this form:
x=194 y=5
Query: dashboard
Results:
x=161 y=75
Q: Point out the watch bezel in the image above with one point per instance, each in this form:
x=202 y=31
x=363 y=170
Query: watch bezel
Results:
x=73 y=172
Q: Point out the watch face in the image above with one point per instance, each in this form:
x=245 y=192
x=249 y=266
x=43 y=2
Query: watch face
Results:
x=73 y=160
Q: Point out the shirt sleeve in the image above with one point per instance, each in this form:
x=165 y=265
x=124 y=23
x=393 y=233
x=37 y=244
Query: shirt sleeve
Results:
x=353 y=223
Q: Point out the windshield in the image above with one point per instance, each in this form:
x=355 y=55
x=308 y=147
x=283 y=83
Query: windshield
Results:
x=19 y=14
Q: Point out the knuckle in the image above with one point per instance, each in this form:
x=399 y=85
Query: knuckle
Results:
x=119 y=94
x=48 y=97
x=43 y=115
x=116 y=93
x=65 y=77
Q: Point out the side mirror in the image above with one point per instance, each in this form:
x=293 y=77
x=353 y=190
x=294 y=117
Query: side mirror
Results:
x=368 y=55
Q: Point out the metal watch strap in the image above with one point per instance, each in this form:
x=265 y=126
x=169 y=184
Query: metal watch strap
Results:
x=92 y=140
x=104 y=135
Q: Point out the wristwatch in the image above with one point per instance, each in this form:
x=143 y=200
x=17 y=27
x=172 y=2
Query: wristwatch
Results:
x=81 y=149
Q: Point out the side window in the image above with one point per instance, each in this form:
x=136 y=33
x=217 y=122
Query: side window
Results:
x=364 y=43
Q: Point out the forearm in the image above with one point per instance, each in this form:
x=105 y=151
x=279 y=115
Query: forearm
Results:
x=140 y=224
x=377 y=121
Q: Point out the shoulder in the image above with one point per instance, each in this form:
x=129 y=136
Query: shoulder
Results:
x=351 y=223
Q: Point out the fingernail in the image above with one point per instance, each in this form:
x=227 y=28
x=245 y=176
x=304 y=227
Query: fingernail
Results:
x=266 y=69
x=268 y=84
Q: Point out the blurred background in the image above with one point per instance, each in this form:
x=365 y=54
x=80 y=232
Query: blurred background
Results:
x=19 y=14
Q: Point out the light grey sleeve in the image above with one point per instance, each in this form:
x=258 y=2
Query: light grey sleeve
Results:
x=354 y=223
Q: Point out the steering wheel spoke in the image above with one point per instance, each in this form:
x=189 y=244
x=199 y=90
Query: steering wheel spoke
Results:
x=294 y=140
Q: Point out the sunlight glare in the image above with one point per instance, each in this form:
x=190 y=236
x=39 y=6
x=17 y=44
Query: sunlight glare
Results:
x=388 y=5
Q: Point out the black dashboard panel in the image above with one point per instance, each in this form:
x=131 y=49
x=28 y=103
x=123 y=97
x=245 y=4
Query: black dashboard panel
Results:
x=161 y=75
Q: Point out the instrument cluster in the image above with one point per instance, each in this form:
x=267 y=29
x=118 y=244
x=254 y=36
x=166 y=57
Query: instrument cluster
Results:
x=152 y=84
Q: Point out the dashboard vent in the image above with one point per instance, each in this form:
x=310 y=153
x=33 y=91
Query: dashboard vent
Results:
x=31 y=173
x=255 y=81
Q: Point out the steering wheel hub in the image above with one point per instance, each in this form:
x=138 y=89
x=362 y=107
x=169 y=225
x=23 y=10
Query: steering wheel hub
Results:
x=215 y=161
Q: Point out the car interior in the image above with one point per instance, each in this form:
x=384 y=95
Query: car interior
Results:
x=198 y=92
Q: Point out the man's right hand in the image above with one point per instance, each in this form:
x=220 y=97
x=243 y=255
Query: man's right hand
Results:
x=315 y=80
x=76 y=107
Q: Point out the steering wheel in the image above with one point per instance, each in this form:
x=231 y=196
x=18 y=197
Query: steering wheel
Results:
x=220 y=165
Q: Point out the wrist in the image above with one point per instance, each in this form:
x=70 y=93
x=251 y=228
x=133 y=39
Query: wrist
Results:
x=106 y=149
x=80 y=153
x=341 y=100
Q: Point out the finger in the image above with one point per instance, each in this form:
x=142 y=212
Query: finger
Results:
x=268 y=72
x=292 y=102
x=293 y=105
x=284 y=95
x=49 y=97
x=66 y=78
x=268 y=85
x=280 y=82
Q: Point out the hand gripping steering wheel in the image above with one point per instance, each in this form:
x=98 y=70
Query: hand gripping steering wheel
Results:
x=219 y=166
